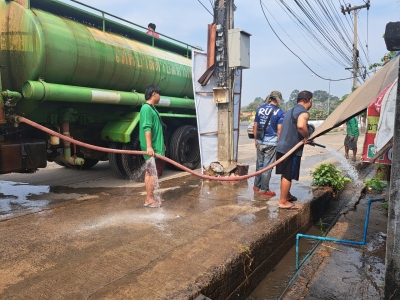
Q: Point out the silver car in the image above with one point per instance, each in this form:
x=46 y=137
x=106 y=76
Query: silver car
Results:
x=250 y=130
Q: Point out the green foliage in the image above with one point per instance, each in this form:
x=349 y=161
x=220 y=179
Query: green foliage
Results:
x=385 y=205
x=254 y=105
x=328 y=175
x=389 y=55
x=375 y=184
x=293 y=96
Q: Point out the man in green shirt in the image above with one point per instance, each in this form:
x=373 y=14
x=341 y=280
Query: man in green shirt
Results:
x=152 y=142
x=350 y=141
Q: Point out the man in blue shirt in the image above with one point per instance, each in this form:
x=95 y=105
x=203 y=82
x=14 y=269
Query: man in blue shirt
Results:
x=266 y=147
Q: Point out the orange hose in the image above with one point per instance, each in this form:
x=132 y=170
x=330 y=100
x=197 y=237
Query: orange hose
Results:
x=135 y=152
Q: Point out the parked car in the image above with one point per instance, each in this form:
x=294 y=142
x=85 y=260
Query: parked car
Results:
x=250 y=130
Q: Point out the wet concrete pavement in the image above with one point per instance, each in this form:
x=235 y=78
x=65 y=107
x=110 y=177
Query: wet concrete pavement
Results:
x=211 y=238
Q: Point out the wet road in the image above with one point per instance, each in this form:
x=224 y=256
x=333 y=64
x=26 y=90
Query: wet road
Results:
x=68 y=234
x=21 y=193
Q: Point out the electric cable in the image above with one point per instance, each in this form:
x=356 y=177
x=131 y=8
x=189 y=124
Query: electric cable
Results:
x=205 y=7
x=262 y=7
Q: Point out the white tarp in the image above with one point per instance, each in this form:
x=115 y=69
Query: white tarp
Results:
x=207 y=111
x=385 y=128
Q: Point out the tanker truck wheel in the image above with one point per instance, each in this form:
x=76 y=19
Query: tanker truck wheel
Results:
x=184 y=147
x=115 y=160
x=133 y=164
x=89 y=162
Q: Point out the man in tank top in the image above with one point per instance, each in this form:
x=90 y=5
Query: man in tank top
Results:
x=294 y=130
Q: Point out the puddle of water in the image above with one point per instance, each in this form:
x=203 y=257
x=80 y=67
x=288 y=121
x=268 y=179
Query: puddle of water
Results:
x=156 y=217
x=246 y=219
x=273 y=285
x=14 y=196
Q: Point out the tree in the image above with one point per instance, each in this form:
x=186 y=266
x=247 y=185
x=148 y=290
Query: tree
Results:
x=389 y=55
x=254 y=105
x=293 y=96
x=321 y=96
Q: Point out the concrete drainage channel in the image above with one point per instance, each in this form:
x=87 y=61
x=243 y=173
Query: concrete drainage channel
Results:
x=242 y=273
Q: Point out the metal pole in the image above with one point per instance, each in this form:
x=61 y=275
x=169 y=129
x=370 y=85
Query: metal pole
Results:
x=355 y=62
x=329 y=96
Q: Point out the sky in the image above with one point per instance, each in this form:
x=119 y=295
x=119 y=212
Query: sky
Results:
x=272 y=65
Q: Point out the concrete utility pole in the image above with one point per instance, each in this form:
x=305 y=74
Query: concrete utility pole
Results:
x=348 y=9
x=392 y=276
x=224 y=21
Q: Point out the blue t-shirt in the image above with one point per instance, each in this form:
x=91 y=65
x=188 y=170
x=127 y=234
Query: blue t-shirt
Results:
x=271 y=132
x=290 y=135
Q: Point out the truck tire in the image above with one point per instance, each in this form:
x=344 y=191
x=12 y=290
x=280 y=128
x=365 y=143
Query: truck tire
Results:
x=133 y=164
x=184 y=147
x=89 y=163
x=115 y=160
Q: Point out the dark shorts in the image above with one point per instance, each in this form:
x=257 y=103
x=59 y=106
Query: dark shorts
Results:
x=154 y=168
x=289 y=167
x=351 y=144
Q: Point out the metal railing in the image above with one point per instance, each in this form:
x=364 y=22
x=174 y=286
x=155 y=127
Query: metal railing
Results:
x=103 y=14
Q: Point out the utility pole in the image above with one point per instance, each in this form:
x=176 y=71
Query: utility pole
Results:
x=348 y=9
x=392 y=276
x=225 y=21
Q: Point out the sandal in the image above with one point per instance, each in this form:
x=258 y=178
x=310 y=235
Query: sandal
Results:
x=152 y=205
x=289 y=207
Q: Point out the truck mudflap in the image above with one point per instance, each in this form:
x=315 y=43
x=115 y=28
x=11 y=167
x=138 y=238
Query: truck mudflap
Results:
x=22 y=156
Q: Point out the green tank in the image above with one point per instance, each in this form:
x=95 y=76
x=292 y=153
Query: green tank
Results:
x=70 y=69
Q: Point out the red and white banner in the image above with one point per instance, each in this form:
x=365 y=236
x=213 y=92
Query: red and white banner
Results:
x=375 y=126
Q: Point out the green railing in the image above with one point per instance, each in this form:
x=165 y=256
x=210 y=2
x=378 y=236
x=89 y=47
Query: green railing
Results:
x=103 y=14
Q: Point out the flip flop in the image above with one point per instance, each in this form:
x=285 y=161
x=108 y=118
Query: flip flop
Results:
x=289 y=207
x=293 y=199
x=152 y=205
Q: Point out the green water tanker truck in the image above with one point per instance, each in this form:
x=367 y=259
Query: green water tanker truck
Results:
x=82 y=74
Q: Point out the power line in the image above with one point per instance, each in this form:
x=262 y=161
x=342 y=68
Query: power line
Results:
x=262 y=7
x=205 y=7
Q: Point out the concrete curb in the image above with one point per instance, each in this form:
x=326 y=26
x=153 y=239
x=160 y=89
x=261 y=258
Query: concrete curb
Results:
x=243 y=270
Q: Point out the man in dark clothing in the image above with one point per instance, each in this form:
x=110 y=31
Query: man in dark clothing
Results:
x=266 y=146
x=294 y=130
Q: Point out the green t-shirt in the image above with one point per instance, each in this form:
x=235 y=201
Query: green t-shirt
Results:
x=150 y=121
x=352 y=127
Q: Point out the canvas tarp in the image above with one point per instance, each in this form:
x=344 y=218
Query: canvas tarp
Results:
x=380 y=122
x=360 y=98
x=207 y=111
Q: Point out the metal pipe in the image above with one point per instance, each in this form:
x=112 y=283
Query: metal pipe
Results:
x=43 y=91
x=12 y=97
x=67 y=157
x=321 y=238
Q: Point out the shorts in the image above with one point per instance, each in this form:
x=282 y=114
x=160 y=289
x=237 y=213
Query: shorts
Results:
x=351 y=144
x=289 y=167
x=154 y=168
